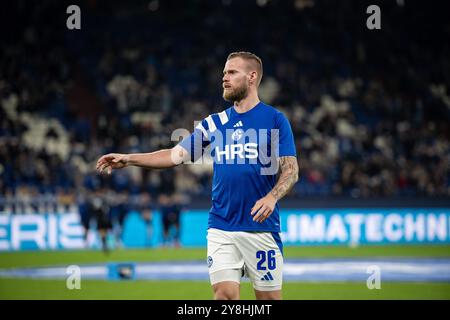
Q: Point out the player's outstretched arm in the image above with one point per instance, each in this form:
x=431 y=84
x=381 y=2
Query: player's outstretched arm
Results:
x=264 y=207
x=166 y=158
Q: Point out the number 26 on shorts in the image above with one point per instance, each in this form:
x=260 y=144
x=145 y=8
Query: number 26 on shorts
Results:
x=264 y=256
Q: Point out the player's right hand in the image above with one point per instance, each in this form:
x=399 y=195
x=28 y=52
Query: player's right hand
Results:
x=112 y=161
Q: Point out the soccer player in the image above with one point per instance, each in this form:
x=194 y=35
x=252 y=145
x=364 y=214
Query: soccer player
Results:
x=250 y=143
x=101 y=211
x=170 y=212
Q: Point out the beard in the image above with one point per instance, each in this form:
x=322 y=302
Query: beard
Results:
x=237 y=94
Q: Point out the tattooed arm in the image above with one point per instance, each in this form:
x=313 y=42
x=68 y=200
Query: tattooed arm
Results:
x=288 y=177
x=264 y=207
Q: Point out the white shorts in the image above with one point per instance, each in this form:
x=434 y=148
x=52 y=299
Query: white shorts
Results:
x=233 y=254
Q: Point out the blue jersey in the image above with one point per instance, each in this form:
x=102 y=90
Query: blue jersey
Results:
x=245 y=148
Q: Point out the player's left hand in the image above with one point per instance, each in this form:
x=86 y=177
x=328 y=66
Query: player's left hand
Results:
x=263 y=208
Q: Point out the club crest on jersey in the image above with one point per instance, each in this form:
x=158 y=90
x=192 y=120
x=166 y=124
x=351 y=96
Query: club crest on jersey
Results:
x=237 y=135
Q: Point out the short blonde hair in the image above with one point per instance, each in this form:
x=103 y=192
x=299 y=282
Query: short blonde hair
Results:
x=253 y=59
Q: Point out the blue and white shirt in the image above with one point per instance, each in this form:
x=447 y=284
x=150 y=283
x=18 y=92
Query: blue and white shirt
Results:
x=245 y=148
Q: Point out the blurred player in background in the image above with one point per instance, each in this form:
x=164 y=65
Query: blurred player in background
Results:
x=170 y=218
x=119 y=211
x=100 y=210
x=146 y=210
x=171 y=207
x=85 y=216
x=179 y=203
x=244 y=223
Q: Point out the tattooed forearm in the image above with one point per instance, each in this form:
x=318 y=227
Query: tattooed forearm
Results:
x=288 y=177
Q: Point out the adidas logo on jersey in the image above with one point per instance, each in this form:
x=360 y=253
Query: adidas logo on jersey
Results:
x=238 y=124
x=267 y=276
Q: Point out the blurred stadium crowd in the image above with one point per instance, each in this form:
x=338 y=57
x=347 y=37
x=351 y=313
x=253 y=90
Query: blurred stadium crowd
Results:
x=369 y=109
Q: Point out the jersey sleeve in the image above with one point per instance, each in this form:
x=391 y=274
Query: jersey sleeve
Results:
x=286 y=137
x=196 y=143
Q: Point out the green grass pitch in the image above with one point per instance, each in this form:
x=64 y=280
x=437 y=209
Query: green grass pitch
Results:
x=181 y=290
